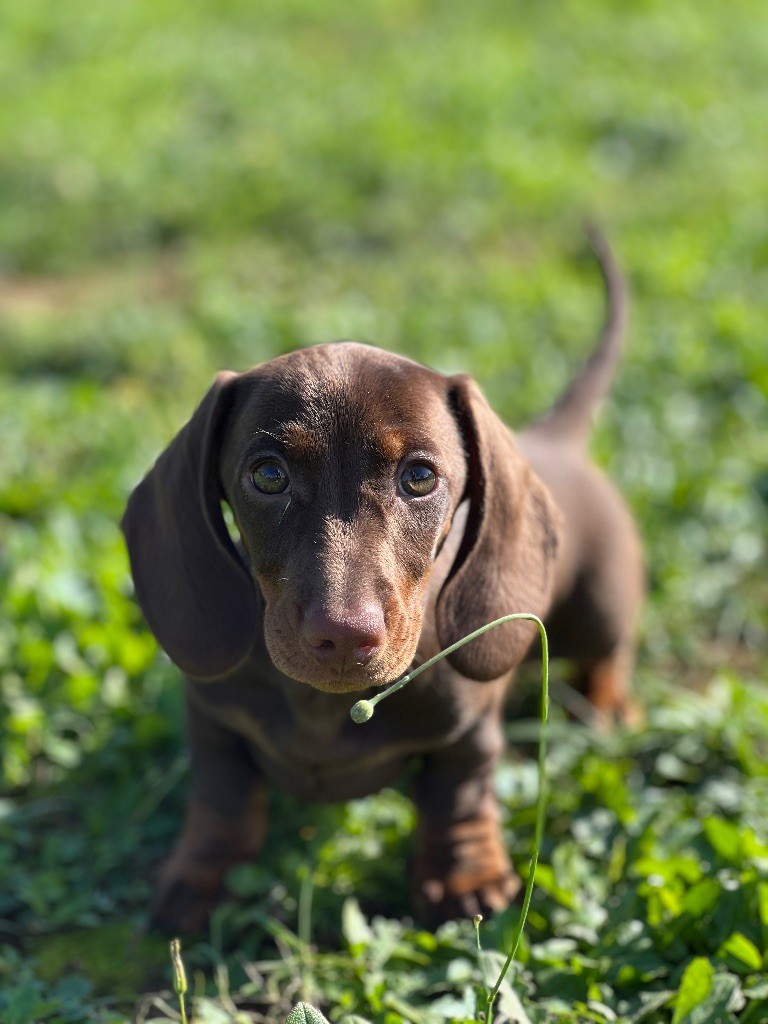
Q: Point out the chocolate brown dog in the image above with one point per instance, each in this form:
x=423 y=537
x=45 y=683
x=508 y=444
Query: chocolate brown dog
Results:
x=383 y=511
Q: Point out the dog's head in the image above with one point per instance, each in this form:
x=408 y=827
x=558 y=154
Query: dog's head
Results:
x=343 y=466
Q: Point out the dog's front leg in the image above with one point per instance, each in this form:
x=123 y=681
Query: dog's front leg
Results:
x=225 y=825
x=461 y=867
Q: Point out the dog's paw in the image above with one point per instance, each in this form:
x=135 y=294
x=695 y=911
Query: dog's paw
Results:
x=184 y=899
x=461 y=871
x=438 y=900
x=191 y=882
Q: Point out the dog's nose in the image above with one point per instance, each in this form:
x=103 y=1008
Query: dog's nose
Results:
x=353 y=635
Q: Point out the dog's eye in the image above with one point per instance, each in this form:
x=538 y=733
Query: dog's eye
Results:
x=418 y=480
x=269 y=477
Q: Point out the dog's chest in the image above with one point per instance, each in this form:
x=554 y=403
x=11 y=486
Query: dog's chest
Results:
x=304 y=741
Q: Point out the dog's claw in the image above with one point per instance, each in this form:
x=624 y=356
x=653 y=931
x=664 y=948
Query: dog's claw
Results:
x=437 y=902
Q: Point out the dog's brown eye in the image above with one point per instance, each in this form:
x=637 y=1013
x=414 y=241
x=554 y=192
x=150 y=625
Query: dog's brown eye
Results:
x=269 y=477
x=418 y=480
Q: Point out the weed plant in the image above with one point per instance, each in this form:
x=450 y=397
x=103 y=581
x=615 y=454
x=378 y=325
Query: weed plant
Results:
x=188 y=187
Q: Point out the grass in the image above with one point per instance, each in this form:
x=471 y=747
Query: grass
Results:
x=191 y=186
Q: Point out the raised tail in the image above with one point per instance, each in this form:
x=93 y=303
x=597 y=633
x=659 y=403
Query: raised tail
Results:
x=570 y=418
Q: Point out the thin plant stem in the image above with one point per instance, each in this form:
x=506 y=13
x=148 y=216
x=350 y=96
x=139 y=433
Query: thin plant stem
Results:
x=541 y=801
x=477 y=921
x=179 y=977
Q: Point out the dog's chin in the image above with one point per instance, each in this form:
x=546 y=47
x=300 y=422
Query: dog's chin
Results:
x=355 y=679
x=340 y=684
x=305 y=669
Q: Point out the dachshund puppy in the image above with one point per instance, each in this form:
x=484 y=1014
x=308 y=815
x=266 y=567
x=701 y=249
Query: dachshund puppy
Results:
x=383 y=511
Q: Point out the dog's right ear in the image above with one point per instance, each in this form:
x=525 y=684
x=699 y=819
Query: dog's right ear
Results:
x=196 y=594
x=505 y=562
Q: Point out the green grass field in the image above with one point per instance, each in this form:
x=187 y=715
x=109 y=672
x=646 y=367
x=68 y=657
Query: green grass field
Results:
x=191 y=186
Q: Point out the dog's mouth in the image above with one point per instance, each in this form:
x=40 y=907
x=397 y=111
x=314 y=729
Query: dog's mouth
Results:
x=346 y=678
x=334 y=670
x=342 y=684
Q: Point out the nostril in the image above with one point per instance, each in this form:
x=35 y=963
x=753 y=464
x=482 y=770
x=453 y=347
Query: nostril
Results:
x=364 y=653
x=326 y=645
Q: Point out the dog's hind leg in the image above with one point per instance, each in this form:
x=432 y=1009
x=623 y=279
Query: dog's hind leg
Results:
x=606 y=683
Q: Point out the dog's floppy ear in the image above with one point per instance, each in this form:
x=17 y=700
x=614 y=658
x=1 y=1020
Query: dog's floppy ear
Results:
x=505 y=560
x=196 y=594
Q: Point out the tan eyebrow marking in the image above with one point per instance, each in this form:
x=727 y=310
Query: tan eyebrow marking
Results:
x=391 y=444
x=299 y=441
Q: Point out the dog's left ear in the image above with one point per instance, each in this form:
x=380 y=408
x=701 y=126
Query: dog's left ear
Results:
x=505 y=561
x=197 y=596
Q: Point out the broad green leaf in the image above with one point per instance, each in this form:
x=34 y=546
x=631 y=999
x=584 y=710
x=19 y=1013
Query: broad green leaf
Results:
x=510 y=1007
x=208 y=1011
x=547 y=880
x=701 y=897
x=725 y=839
x=739 y=946
x=722 y=997
x=695 y=986
x=303 y=1013
x=20 y=1006
x=354 y=926
x=650 y=1003
x=762 y=902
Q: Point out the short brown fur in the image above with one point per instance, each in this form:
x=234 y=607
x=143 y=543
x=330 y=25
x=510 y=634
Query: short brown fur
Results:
x=345 y=578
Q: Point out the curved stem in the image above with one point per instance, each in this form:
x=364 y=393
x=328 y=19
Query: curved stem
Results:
x=541 y=801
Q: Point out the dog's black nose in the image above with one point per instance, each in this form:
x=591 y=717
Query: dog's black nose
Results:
x=352 y=635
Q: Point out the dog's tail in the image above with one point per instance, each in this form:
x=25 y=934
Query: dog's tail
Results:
x=570 y=418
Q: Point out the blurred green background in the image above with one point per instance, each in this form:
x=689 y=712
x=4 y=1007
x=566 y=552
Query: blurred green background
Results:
x=197 y=185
